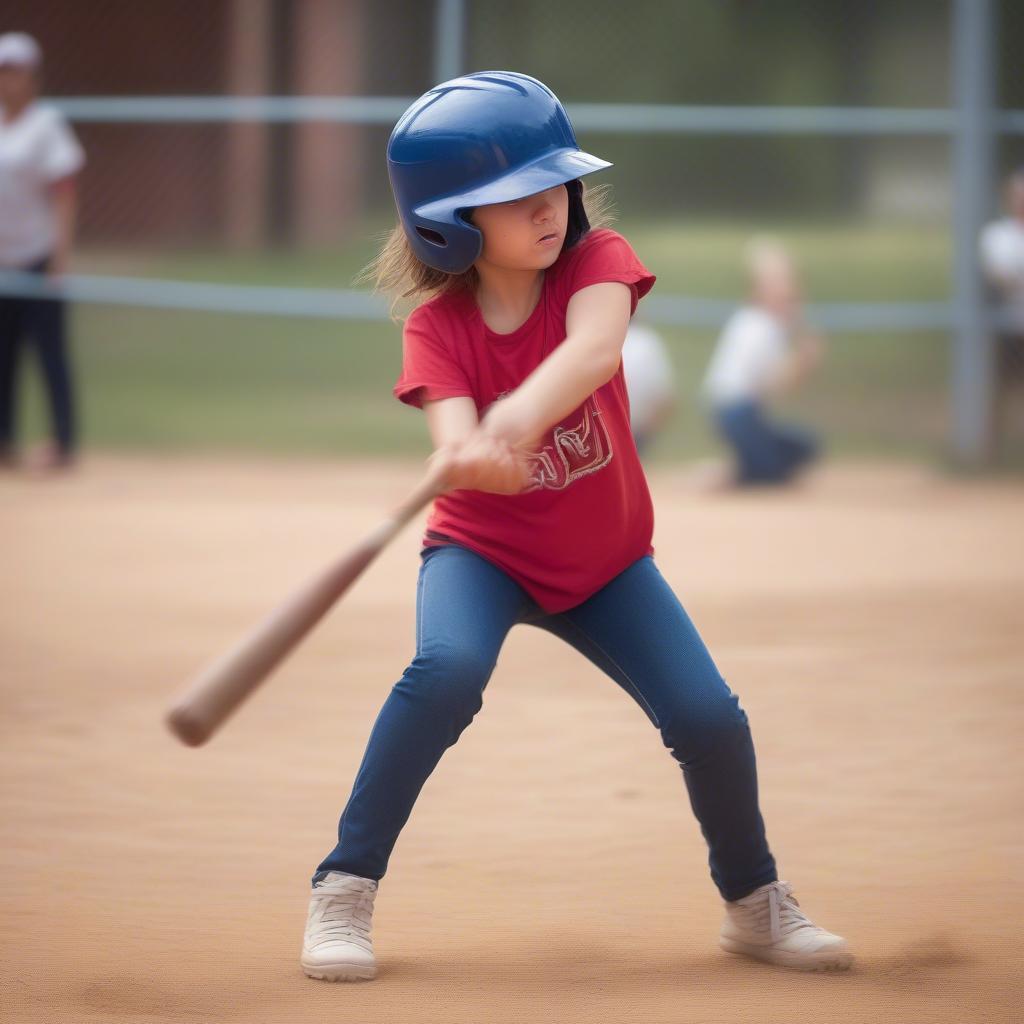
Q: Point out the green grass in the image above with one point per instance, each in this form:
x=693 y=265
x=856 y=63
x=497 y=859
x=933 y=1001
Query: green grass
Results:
x=186 y=381
x=191 y=381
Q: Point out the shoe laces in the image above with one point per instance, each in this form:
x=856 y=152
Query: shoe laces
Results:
x=776 y=907
x=346 y=915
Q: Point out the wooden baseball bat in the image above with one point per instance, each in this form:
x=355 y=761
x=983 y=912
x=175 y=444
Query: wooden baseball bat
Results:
x=223 y=685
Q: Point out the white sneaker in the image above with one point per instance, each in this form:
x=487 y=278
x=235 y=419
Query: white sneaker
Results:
x=769 y=925
x=337 y=944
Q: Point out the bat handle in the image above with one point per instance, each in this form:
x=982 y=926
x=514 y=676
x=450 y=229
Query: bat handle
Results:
x=430 y=487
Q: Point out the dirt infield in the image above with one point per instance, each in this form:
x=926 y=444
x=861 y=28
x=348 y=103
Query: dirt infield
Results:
x=552 y=871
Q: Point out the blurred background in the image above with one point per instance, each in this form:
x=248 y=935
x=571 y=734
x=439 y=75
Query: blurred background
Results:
x=240 y=144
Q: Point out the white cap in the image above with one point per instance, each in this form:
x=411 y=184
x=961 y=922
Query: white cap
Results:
x=20 y=49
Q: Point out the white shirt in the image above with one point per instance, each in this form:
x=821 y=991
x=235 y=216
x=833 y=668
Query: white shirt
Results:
x=751 y=351
x=650 y=380
x=36 y=149
x=1002 y=259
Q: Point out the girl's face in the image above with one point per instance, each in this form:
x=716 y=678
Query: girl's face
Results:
x=525 y=234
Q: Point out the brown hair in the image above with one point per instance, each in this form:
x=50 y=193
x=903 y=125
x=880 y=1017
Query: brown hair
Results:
x=399 y=273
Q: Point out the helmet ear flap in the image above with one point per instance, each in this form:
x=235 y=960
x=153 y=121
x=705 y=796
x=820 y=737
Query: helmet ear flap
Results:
x=578 y=223
x=453 y=245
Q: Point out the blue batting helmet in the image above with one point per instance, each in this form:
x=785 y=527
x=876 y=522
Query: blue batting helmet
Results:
x=485 y=138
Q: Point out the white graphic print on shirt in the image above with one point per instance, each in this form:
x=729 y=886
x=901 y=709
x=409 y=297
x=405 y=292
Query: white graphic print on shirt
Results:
x=572 y=453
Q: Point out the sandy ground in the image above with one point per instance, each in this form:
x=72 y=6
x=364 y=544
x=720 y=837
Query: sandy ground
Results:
x=552 y=871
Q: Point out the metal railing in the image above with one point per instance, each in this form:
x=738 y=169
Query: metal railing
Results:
x=354 y=304
x=624 y=118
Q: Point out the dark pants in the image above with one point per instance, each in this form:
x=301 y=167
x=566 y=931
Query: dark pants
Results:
x=766 y=452
x=1009 y=374
x=40 y=322
x=634 y=629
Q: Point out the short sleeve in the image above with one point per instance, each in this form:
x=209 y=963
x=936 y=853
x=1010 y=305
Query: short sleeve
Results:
x=62 y=154
x=606 y=256
x=429 y=370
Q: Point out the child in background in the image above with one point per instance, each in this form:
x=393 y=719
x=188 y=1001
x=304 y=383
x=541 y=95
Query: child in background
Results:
x=650 y=382
x=514 y=355
x=1001 y=249
x=764 y=351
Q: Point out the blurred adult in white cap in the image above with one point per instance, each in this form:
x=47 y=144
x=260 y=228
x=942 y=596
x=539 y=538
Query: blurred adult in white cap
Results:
x=764 y=350
x=39 y=159
x=1002 y=260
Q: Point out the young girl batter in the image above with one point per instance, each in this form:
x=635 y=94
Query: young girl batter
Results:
x=515 y=360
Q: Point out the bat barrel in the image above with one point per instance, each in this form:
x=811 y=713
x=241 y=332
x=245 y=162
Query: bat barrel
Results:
x=221 y=687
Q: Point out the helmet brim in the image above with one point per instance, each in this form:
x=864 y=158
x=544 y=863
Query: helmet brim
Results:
x=546 y=172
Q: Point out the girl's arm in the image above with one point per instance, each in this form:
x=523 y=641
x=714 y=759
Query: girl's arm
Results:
x=596 y=321
x=491 y=455
x=451 y=421
x=477 y=461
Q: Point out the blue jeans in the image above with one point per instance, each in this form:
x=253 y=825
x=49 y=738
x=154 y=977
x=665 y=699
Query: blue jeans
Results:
x=766 y=452
x=634 y=629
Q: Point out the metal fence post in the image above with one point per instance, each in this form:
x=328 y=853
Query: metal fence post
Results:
x=972 y=349
x=449 y=39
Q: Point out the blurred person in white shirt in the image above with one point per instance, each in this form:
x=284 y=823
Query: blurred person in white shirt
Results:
x=39 y=158
x=650 y=383
x=764 y=350
x=1002 y=261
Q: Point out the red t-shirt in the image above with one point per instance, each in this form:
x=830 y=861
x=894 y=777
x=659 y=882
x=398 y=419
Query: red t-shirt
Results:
x=587 y=514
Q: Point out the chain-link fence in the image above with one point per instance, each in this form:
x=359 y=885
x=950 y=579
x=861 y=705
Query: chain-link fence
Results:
x=295 y=196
